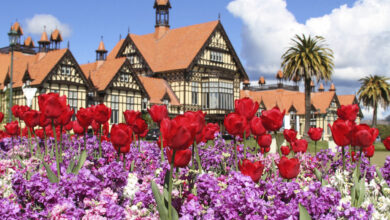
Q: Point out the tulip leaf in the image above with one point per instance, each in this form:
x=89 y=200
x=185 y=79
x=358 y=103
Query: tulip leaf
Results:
x=303 y=213
x=50 y=174
x=362 y=191
x=70 y=166
x=175 y=216
x=132 y=166
x=162 y=210
x=318 y=174
x=80 y=163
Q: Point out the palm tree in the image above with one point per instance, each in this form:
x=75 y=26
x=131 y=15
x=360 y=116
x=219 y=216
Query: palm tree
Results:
x=374 y=91
x=306 y=59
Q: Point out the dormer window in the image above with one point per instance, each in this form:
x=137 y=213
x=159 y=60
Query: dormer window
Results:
x=28 y=82
x=144 y=103
x=165 y=101
x=216 y=56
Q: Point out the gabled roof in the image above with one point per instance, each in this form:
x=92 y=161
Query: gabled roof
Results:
x=29 y=42
x=286 y=99
x=161 y=2
x=157 y=89
x=44 y=38
x=16 y=27
x=346 y=99
x=56 y=36
x=103 y=72
x=38 y=66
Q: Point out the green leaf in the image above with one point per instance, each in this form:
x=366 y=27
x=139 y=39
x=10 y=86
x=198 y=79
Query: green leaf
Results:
x=70 y=167
x=318 y=174
x=303 y=213
x=162 y=210
x=132 y=166
x=362 y=191
x=378 y=172
x=80 y=163
x=50 y=174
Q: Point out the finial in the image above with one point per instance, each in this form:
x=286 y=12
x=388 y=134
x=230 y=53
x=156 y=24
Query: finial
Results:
x=120 y=36
x=128 y=29
x=219 y=16
x=101 y=38
x=44 y=27
x=68 y=44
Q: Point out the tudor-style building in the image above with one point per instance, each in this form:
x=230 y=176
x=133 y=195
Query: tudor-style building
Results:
x=198 y=62
x=288 y=98
x=40 y=70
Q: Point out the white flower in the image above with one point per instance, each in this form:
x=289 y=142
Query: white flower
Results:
x=132 y=186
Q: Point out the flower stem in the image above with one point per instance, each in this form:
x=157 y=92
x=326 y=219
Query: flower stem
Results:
x=235 y=153
x=85 y=139
x=139 y=144
x=100 y=141
x=56 y=146
x=244 y=144
x=343 y=152
x=45 y=141
x=29 y=142
x=198 y=158
x=61 y=145
x=170 y=186
x=162 y=149
x=315 y=148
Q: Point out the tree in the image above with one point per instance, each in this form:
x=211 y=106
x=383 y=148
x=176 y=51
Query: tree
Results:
x=307 y=59
x=374 y=91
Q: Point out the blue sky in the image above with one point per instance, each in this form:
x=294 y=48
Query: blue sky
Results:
x=260 y=30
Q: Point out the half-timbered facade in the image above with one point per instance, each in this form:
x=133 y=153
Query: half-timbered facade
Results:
x=198 y=62
x=41 y=70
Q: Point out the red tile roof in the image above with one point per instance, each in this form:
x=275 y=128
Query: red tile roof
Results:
x=16 y=27
x=56 y=35
x=346 y=99
x=286 y=99
x=38 y=66
x=175 y=50
x=44 y=37
x=29 y=42
x=157 y=88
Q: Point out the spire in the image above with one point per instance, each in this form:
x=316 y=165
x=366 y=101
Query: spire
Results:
x=18 y=29
x=29 y=42
x=162 y=12
x=261 y=80
x=332 y=87
x=321 y=88
x=101 y=52
x=44 y=42
x=55 y=39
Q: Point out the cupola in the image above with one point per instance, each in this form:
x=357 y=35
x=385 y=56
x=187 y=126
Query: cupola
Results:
x=44 y=42
x=55 y=39
x=101 y=52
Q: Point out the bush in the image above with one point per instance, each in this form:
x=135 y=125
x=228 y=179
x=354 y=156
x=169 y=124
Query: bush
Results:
x=384 y=131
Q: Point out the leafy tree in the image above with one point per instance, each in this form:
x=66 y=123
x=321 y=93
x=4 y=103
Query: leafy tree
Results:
x=307 y=59
x=374 y=91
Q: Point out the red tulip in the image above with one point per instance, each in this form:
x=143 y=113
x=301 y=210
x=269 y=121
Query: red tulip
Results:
x=121 y=137
x=290 y=135
x=15 y=111
x=95 y=126
x=369 y=151
x=12 y=128
x=178 y=132
x=31 y=118
x=315 y=133
x=52 y=105
x=254 y=170
x=164 y=142
x=77 y=128
x=84 y=117
x=299 y=146
x=272 y=119
x=69 y=126
x=264 y=140
x=182 y=157
x=139 y=126
x=386 y=142
x=285 y=150
x=19 y=110
x=43 y=121
x=131 y=116
x=257 y=127
x=209 y=130
x=101 y=113
x=66 y=116
x=40 y=133
x=142 y=135
x=264 y=150
x=363 y=136
x=341 y=131
x=348 y=112
x=1 y=116
x=246 y=107
x=235 y=124
x=158 y=113
x=288 y=168
x=196 y=119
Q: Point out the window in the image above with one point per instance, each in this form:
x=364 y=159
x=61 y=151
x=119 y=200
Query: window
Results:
x=124 y=77
x=194 y=93
x=313 y=122
x=55 y=91
x=144 y=103
x=293 y=119
x=131 y=59
x=216 y=56
x=165 y=101
x=114 y=109
x=217 y=95
x=129 y=103
x=72 y=102
x=65 y=70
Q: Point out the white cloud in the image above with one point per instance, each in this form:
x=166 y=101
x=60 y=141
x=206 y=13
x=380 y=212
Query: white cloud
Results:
x=381 y=113
x=358 y=35
x=36 y=24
